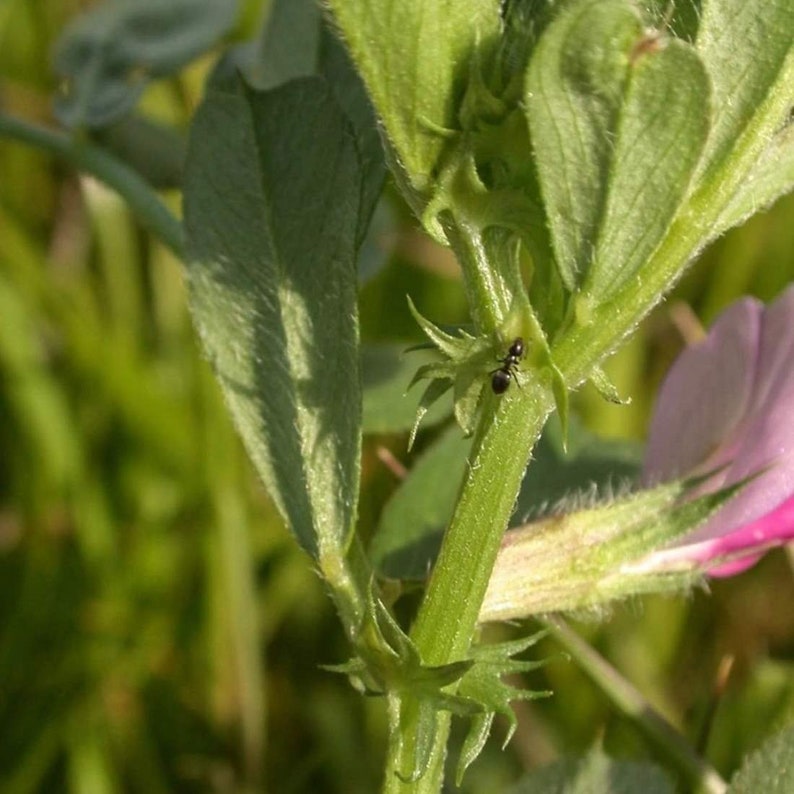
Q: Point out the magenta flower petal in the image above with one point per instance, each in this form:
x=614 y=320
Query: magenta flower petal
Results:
x=728 y=404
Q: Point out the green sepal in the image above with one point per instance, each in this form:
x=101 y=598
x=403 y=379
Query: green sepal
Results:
x=483 y=685
x=590 y=557
x=606 y=388
x=452 y=346
x=387 y=660
x=462 y=364
x=436 y=389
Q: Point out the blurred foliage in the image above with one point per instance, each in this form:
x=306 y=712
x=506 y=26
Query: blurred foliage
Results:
x=159 y=630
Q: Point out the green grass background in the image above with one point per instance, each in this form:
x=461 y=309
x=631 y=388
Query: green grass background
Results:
x=159 y=629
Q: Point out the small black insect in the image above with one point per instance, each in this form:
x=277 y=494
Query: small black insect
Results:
x=503 y=376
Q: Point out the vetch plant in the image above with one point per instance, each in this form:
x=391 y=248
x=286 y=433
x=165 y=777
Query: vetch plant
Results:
x=576 y=157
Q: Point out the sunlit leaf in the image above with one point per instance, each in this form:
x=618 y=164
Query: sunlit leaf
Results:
x=271 y=210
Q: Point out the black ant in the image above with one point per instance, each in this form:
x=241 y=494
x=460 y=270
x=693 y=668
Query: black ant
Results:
x=502 y=376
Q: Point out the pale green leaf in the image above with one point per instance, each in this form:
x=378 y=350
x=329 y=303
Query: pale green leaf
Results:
x=574 y=88
x=772 y=177
x=271 y=211
x=770 y=769
x=747 y=47
x=659 y=135
x=618 y=121
x=414 y=56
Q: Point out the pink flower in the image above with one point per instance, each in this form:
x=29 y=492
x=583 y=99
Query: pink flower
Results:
x=727 y=406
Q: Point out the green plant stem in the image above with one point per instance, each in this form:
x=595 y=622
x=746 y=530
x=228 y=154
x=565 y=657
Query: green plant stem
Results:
x=447 y=619
x=86 y=157
x=350 y=578
x=700 y=775
x=489 y=295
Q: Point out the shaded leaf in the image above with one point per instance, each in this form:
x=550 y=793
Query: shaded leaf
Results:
x=388 y=405
x=108 y=55
x=574 y=88
x=618 y=127
x=747 y=47
x=769 y=769
x=409 y=532
x=271 y=210
x=296 y=41
x=288 y=45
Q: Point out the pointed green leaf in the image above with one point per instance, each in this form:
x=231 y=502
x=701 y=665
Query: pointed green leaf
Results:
x=574 y=88
x=606 y=388
x=618 y=131
x=435 y=390
x=415 y=57
x=483 y=685
x=476 y=737
x=271 y=210
x=660 y=132
x=453 y=346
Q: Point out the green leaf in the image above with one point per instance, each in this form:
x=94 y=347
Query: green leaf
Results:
x=772 y=177
x=108 y=56
x=483 y=685
x=618 y=129
x=388 y=405
x=335 y=65
x=574 y=87
x=747 y=47
x=770 y=769
x=596 y=773
x=606 y=388
x=288 y=45
x=661 y=130
x=414 y=56
x=412 y=522
x=296 y=42
x=271 y=210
